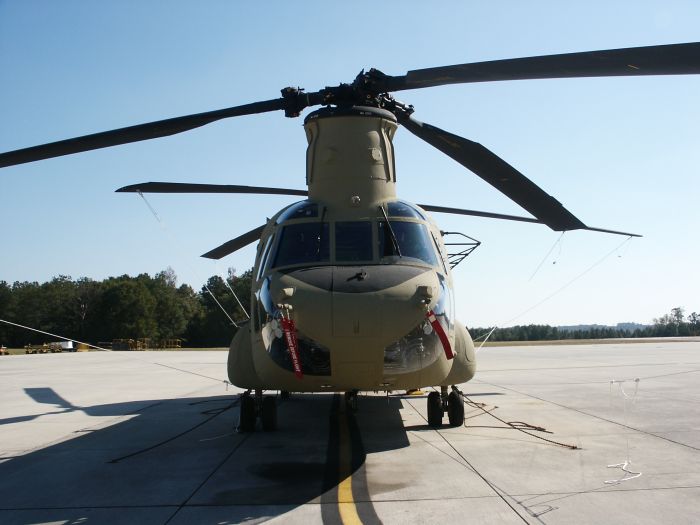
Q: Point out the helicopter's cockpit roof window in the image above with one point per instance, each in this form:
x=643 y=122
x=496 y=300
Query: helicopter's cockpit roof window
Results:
x=299 y=210
x=413 y=239
x=353 y=241
x=403 y=209
x=300 y=243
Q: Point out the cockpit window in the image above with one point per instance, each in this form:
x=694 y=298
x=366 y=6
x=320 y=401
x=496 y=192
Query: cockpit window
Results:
x=305 y=242
x=264 y=256
x=299 y=210
x=353 y=241
x=403 y=209
x=413 y=240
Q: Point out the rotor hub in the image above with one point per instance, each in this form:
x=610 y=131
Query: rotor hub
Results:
x=350 y=156
x=350 y=111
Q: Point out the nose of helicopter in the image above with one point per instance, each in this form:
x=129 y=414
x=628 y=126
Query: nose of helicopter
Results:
x=342 y=306
x=358 y=327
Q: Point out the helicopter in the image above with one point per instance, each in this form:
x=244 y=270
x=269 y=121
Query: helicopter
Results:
x=352 y=286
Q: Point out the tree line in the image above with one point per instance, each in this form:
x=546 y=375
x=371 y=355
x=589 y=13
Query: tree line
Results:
x=674 y=324
x=156 y=307
x=123 y=307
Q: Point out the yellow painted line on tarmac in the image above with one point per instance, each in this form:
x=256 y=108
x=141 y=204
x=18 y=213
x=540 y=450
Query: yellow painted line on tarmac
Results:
x=346 y=502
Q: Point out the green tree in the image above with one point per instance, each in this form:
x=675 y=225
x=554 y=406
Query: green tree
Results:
x=694 y=323
x=126 y=310
x=57 y=307
x=678 y=315
x=212 y=326
x=174 y=306
x=27 y=303
x=7 y=313
x=87 y=296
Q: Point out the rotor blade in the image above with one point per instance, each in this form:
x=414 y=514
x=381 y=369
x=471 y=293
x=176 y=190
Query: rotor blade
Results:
x=497 y=172
x=614 y=232
x=182 y=187
x=150 y=130
x=673 y=59
x=475 y=213
x=491 y=215
x=235 y=244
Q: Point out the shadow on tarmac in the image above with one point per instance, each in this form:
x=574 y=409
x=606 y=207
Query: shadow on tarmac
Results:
x=167 y=455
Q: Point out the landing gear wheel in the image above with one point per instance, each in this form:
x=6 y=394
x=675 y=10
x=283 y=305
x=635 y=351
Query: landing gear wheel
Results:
x=435 y=411
x=268 y=415
x=246 y=417
x=455 y=409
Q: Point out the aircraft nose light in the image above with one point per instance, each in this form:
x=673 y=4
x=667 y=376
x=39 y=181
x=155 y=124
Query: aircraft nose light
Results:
x=284 y=294
x=425 y=293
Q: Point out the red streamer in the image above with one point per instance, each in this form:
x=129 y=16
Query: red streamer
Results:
x=440 y=331
x=290 y=335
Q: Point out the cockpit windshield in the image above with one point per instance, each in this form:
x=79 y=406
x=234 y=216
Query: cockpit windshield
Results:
x=353 y=241
x=300 y=243
x=302 y=239
x=413 y=239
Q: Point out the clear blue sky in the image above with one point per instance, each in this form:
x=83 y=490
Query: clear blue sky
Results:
x=619 y=153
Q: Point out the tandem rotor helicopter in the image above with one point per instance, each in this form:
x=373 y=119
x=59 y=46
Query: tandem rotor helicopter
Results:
x=352 y=287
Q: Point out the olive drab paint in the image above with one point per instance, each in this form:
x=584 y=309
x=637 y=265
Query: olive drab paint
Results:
x=361 y=324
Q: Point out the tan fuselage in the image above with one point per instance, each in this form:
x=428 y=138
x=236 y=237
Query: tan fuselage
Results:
x=362 y=324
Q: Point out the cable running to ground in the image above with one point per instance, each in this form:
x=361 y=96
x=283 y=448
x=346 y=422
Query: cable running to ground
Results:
x=54 y=335
x=493 y=487
x=164 y=229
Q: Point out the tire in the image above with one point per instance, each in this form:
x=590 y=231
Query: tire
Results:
x=269 y=414
x=246 y=417
x=455 y=409
x=435 y=411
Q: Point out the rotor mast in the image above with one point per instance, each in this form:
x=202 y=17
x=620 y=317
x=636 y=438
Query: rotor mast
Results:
x=350 y=156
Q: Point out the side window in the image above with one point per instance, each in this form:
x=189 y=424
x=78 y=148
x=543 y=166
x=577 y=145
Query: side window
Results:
x=441 y=253
x=263 y=258
x=306 y=242
x=353 y=241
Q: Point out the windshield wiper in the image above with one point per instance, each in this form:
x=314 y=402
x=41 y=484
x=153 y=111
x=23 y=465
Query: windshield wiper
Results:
x=394 y=241
x=320 y=233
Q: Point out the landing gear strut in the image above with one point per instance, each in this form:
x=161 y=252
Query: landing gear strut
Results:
x=247 y=415
x=351 y=400
x=439 y=402
x=251 y=407
x=268 y=414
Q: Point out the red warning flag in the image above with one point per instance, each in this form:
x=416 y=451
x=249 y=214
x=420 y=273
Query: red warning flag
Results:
x=290 y=335
x=440 y=331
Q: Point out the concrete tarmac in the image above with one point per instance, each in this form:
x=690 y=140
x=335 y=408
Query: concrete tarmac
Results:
x=148 y=437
